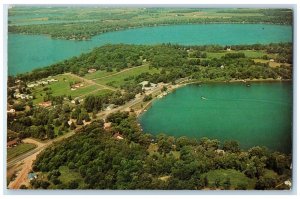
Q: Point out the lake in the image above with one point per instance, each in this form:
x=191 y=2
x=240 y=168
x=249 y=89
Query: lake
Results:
x=28 y=52
x=259 y=115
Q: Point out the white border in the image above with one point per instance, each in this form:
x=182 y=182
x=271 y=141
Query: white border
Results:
x=253 y=3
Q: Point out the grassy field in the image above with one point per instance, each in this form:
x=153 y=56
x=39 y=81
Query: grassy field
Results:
x=248 y=53
x=236 y=178
x=68 y=175
x=99 y=74
x=62 y=87
x=117 y=80
x=19 y=149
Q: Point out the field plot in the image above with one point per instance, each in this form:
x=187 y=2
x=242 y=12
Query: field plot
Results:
x=18 y=150
x=237 y=178
x=64 y=87
x=99 y=74
x=248 y=53
x=118 y=79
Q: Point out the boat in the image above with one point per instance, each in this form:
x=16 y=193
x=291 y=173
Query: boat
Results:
x=203 y=98
x=248 y=85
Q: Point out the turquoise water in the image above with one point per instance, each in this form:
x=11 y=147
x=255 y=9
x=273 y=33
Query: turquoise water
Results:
x=27 y=52
x=257 y=115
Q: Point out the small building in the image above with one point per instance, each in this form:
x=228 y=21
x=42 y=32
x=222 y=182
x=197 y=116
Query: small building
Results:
x=107 y=125
x=118 y=136
x=45 y=104
x=222 y=67
x=11 y=111
x=220 y=151
x=92 y=70
x=13 y=143
x=32 y=176
x=271 y=60
x=288 y=183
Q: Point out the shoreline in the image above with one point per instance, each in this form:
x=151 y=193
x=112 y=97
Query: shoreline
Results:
x=89 y=37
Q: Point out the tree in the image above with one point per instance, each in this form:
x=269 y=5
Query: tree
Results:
x=73 y=185
x=231 y=146
x=227 y=183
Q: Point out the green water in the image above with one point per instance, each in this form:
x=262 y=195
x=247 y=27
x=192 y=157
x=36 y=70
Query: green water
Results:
x=257 y=115
x=27 y=52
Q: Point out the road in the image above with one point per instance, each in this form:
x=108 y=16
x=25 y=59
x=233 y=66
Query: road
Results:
x=25 y=160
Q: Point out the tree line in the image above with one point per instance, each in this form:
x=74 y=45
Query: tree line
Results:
x=105 y=162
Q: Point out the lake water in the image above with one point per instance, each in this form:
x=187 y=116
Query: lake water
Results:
x=257 y=115
x=27 y=52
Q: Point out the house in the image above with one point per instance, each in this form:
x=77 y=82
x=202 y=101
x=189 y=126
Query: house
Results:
x=110 y=107
x=118 y=136
x=13 y=143
x=32 y=176
x=52 y=80
x=146 y=86
x=77 y=85
x=92 y=70
x=45 y=104
x=271 y=60
x=288 y=183
x=222 y=66
x=11 y=111
x=220 y=151
x=107 y=125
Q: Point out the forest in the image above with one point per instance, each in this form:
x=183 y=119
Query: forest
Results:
x=177 y=61
x=144 y=161
x=82 y=25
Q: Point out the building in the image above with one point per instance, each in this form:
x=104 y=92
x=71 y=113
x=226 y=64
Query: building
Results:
x=13 y=143
x=45 y=104
x=32 y=176
x=107 y=125
x=11 y=111
x=118 y=136
x=146 y=86
x=92 y=70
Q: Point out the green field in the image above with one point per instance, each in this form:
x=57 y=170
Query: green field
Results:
x=68 y=175
x=19 y=149
x=99 y=74
x=117 y=80
x=62 y=87
x=236 y=178
x=248 y=53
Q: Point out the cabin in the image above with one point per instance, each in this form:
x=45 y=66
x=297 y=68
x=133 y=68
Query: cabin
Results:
x=118 y=136
x=32 y=176
x=107 y=125
x=11 y=111
x=13 y=143
x=45 y=104
x=92 y=70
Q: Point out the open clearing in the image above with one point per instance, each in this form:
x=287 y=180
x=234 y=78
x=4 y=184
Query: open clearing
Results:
x=117 y=80
x=62 y=87
x=19 y=149
x=236 y=178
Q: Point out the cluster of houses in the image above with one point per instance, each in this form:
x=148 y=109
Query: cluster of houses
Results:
x=18 y=95
x=75 y=86
x=45 y=82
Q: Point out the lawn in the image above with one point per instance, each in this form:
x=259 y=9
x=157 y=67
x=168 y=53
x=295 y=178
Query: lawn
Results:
x=18 y=150
x=236 y=178
x=117 y=80
x=68 y=175
x=99 y=74
x=62 y=87
x=248 y=53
